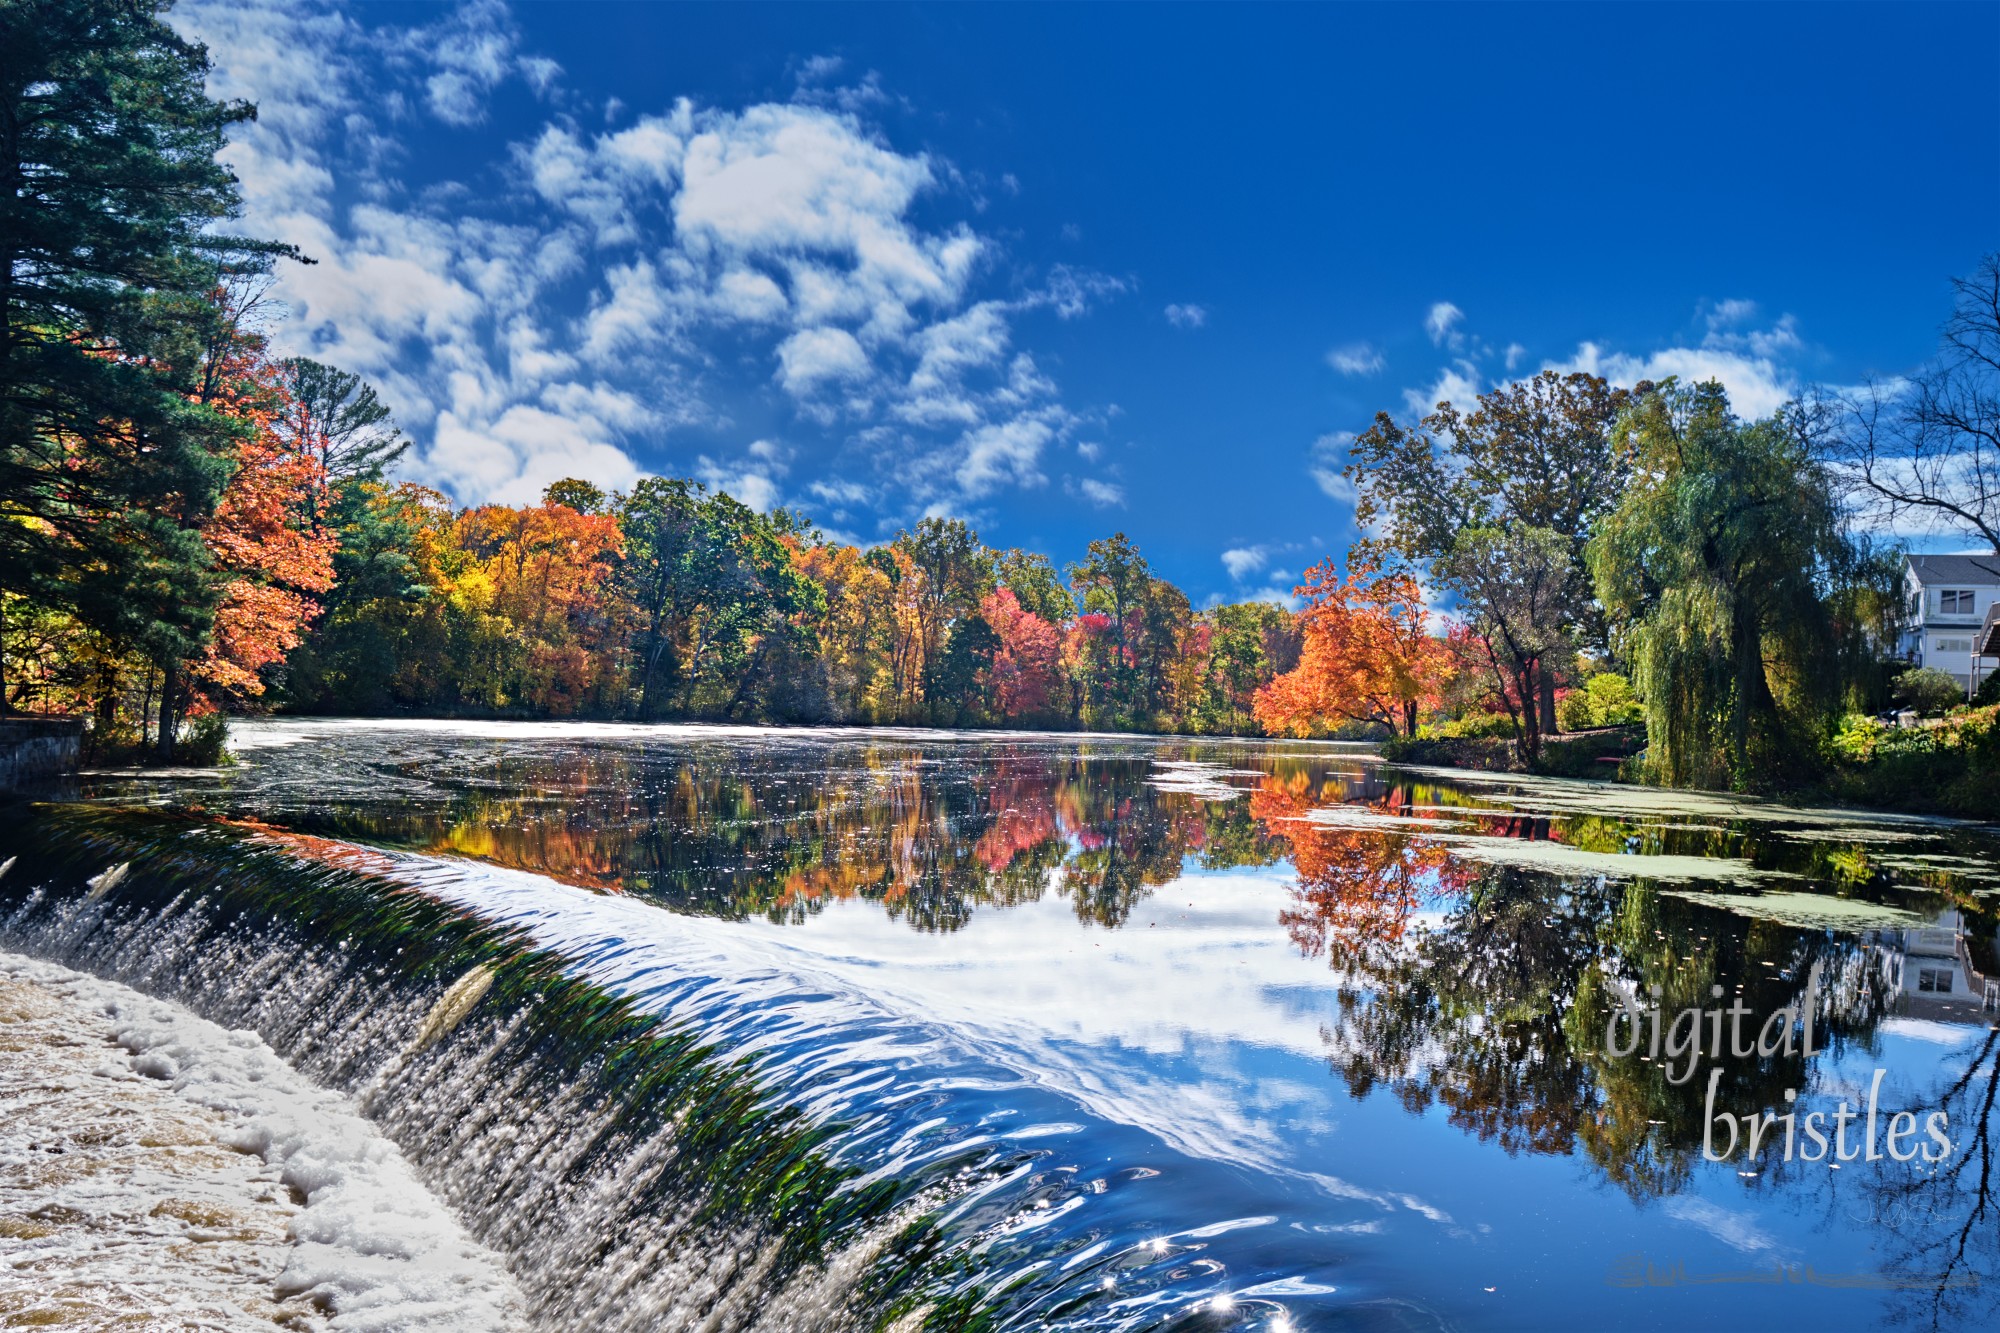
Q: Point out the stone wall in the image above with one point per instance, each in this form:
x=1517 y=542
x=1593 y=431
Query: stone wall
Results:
x=34 y=750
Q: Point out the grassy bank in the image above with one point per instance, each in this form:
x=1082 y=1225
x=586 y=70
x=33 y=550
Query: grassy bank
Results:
x=1943 y=766
x=1581 y=754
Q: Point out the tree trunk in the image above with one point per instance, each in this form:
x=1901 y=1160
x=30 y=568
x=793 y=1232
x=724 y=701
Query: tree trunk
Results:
x=1531 y=713
x=1546 y=699
x=170 y=703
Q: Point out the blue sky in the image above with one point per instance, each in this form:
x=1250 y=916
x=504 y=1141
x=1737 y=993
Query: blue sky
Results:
x=1069 y=270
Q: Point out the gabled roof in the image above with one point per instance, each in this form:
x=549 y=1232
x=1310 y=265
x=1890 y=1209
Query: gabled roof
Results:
x=1931 y=570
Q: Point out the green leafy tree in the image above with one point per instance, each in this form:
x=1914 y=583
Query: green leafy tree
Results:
x=1247 y=648
x=1731 y=586
x=581 y=496
x=338 y=418
x=968 y=654
x=1114 y=581
x=707 y=575
x=1519 y=585
x=109 y=198
x=1032 y=578
x=958 y=573
x=1927 y=691
x=1534 y=457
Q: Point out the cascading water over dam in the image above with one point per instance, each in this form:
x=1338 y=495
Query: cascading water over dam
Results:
x=633 y=1166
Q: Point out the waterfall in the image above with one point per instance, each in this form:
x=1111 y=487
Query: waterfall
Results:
x=635 y=1176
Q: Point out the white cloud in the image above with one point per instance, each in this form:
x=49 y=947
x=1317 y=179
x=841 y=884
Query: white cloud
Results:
x=1326 y=464
x=1073 y=291
x=1355 y=359
x=513 y=458
x=812 y=356
x=634 y=280
x=1276 y=596
x=842 y=491
x=471 y=51
x=1515 y=354
x=1757 y=385
x=1441 y=320
x=1187 y=316
x=1457 y=383
x=1000 y=453
x=754 y=481
x=1103 y=494
x=1727 y=314
x=1243 y=561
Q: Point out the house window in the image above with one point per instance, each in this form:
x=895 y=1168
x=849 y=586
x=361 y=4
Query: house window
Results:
x=1955 y=603
x=1954 y=645
x=1936 y=980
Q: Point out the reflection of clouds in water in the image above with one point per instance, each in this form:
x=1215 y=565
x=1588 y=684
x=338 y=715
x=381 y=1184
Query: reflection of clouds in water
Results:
x=1188 y=980
x=1738 y=1230
x=1926 y=1030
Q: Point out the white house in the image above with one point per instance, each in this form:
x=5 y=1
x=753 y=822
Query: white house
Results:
x=1931 y=973
x=1948 y=599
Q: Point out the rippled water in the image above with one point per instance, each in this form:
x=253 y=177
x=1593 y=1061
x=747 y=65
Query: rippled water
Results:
x=1101 y=1032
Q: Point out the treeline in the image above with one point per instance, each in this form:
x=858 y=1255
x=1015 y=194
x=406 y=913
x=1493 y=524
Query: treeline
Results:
x=673 y=601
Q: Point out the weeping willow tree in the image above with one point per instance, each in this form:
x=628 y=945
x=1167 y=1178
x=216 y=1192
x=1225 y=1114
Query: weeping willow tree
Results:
x=1734 y=590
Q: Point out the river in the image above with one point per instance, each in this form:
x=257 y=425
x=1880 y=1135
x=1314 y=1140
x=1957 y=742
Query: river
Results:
x=734 y=1028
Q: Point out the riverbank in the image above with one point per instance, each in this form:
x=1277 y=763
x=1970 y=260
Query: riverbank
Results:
x=1948 y=766
x=164 y=1171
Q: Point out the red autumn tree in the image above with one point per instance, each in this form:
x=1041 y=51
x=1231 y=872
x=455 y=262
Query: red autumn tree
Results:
x=1368 y=654
x=1027 y=669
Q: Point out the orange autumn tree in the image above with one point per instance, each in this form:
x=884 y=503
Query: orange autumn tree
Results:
x=1367 y=655
x=547 y=571
x=1360 y=884
x=274 y=563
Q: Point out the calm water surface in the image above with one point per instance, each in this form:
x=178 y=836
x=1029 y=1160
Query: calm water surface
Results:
x=1259 y=1035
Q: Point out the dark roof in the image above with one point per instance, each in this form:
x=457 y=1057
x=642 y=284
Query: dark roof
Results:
x=1934 y=569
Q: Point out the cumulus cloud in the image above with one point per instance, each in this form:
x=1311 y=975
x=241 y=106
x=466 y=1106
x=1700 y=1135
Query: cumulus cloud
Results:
x=471 y=50
x=1002 y=452
x=1326 y=464
x=1440 y=322
x=1103 y=494
x=1457 y=383
x=1355 y=359
x=752 y=479
x=581 y=314
x=1187 y=316
x=812 y=356
x=1757 y=385
x=1243 y=561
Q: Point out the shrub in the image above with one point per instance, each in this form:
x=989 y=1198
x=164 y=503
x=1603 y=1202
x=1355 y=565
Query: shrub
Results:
x=1927 y=691
x=1604 y=700
x=203 y=741
x=1989 y=691
x=1472 y=726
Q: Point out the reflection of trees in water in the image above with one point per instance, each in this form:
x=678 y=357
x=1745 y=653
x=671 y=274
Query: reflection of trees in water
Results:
x=1496 y=1009
x=1946 y=1215
x=743 y=831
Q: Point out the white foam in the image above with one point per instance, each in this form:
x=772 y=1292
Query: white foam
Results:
x=370 y=1244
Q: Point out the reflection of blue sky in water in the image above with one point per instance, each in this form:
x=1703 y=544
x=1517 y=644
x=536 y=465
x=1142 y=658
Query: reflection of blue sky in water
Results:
x=1172 y=1073
x=1199 y=1026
